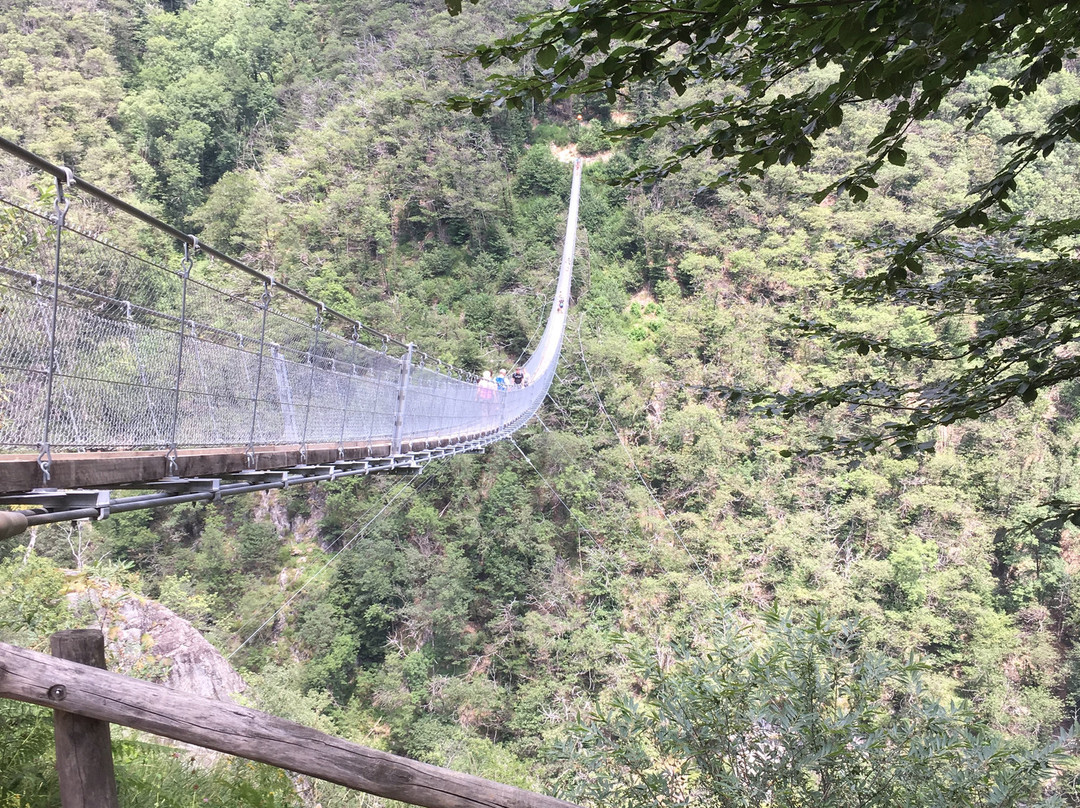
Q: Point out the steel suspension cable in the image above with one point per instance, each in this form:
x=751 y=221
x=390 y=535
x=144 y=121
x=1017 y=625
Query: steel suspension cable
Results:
x=64 y=174
x=551 y=488
x=318 y=572
x=580 y=524
x=341 y=535
x=537 y=330
x=648 y=489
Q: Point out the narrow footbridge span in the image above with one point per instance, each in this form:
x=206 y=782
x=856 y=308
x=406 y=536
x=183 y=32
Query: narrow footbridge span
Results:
x=134 y=357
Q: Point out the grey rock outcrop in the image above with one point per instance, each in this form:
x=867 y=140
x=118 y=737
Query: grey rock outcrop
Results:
x=147 y=640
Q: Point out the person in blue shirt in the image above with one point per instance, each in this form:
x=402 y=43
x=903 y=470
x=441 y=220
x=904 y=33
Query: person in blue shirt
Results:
x=500 y=380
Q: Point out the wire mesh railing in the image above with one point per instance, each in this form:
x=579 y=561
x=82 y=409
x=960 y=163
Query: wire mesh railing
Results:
x=119 y=332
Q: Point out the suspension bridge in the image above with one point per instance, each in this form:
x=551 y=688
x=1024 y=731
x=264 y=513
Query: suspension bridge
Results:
x=135 y=359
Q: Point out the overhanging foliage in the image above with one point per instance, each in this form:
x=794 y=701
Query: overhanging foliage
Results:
x=770 y=80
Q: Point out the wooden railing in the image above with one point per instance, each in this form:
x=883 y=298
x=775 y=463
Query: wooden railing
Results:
x=86 y=699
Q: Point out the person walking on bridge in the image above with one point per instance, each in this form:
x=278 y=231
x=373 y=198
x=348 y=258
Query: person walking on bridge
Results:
x=485 y=392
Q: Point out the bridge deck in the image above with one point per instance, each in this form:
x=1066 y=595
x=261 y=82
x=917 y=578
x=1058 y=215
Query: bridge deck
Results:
x=20 y=472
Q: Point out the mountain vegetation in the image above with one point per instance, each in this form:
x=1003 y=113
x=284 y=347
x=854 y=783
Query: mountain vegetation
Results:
x=652 y=594
x=756 y=87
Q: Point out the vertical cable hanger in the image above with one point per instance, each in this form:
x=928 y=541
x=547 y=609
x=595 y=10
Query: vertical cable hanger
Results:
x=264 y=304
x=311 y=380
x=61 y=207
x=185 y=273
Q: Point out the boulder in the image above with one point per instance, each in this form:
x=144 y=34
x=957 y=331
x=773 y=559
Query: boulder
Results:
x=146 y=640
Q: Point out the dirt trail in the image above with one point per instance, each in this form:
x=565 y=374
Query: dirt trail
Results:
x=567 y=154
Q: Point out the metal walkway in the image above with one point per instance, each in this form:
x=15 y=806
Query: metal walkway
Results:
x=132 y=356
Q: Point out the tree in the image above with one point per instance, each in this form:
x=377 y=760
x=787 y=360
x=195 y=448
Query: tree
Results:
x=764 y=84
x=801 y=714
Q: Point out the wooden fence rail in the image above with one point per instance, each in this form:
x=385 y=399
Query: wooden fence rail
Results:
x=87 y=691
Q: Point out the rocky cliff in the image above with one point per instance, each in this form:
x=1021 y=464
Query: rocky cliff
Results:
x=147 y=640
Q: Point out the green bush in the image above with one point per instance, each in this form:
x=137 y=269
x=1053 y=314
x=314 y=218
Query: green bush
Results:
x=801 y=714
x=592 y=140
x=550 y=133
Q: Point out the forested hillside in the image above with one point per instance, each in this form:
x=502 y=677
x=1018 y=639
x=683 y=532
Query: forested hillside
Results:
x=647 y=537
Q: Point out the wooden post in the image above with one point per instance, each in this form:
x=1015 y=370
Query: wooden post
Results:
x=84 y=760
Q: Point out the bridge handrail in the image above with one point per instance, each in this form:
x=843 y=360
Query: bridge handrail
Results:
x=69 y=178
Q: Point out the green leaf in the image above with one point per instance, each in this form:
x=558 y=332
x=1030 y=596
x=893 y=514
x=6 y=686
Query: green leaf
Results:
x=545 y=57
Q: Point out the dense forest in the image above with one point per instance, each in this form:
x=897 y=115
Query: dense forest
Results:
x=652 y=581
